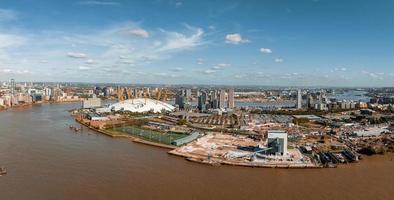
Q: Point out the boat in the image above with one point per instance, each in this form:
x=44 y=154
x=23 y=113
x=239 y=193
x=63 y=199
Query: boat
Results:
x=3 y=171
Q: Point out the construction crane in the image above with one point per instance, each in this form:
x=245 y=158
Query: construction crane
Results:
x=139 y=93
x=158 y=94
x=120 y=94
x=164 y=95
x=130 y=95
x=145 y=95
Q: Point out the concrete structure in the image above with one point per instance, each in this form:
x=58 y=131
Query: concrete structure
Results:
x=374 y=131
x=231 y=103
x=186 y=139
x=277 y=141
x=91 y=103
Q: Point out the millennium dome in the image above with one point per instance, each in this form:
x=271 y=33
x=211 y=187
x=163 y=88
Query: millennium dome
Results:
x=142 y=105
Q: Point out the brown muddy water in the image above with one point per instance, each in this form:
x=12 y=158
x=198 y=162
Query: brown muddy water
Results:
x=45 y=160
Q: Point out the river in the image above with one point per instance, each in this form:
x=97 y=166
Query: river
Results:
x=45 y=160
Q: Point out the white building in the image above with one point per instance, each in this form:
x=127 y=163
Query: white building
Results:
x=231 y=104
x=140 y=105
x=91 y=103
x=277 y=140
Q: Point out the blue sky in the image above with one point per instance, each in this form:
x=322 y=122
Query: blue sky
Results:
x=266 y=42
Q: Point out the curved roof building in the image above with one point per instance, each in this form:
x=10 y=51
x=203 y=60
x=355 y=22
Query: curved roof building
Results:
x=139 y=105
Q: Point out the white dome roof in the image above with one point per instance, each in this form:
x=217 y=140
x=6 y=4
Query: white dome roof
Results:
x=139 y=105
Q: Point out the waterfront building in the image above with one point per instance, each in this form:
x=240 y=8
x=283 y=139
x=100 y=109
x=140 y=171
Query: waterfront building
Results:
x=231 y=103
x=91 y=102
x=277 y=141
x=48 y=92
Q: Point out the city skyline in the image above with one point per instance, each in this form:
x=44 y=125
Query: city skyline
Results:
x=308 y=43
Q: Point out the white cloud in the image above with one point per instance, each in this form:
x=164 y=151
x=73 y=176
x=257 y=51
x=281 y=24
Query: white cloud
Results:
x=279 y=60
x=340 y=69
x=76 y=55
x=209 y=71
x=235 y=38
x=5 y=70
x=99 y=3
x=116 y=50
x=17 y=71
x=83 y=68
x=265 y=50
x=200 y=61
x=177 y=69
x=178 y=4
x=91 y=62
x=262 y=75
x=7 y=15
x=10 y=41
x=220 y=66
x=139 y=32
x=238 y=76
x=127 y=62
x=176 y=41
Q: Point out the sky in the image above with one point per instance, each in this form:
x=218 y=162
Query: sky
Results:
x=217 y=42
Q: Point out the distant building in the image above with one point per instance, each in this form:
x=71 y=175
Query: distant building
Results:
x=367 y=112
x=277 y=141
x=231 y=103
x=188 y=93
x=321 y=106
x=180 y=100
x=222 y=98
x=12 y=87
x=299 y=99
x=202 y=101
x=48 y=92
x=91 y=103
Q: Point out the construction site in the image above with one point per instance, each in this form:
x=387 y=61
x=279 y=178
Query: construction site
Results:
x=217 y=148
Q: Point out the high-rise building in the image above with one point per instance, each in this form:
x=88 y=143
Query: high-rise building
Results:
x=202 y=100
x=180 y=101
x=188 y=93
x=12 y=87
x=277 y=141
x=48 y=91
x=299 y=99
x=222 y=98
x=231 y=103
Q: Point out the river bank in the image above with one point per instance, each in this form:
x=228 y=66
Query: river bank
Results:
x=45 y=160
x=124 y=135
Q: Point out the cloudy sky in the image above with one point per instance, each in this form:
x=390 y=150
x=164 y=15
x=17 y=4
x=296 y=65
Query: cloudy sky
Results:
x=264 y=42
